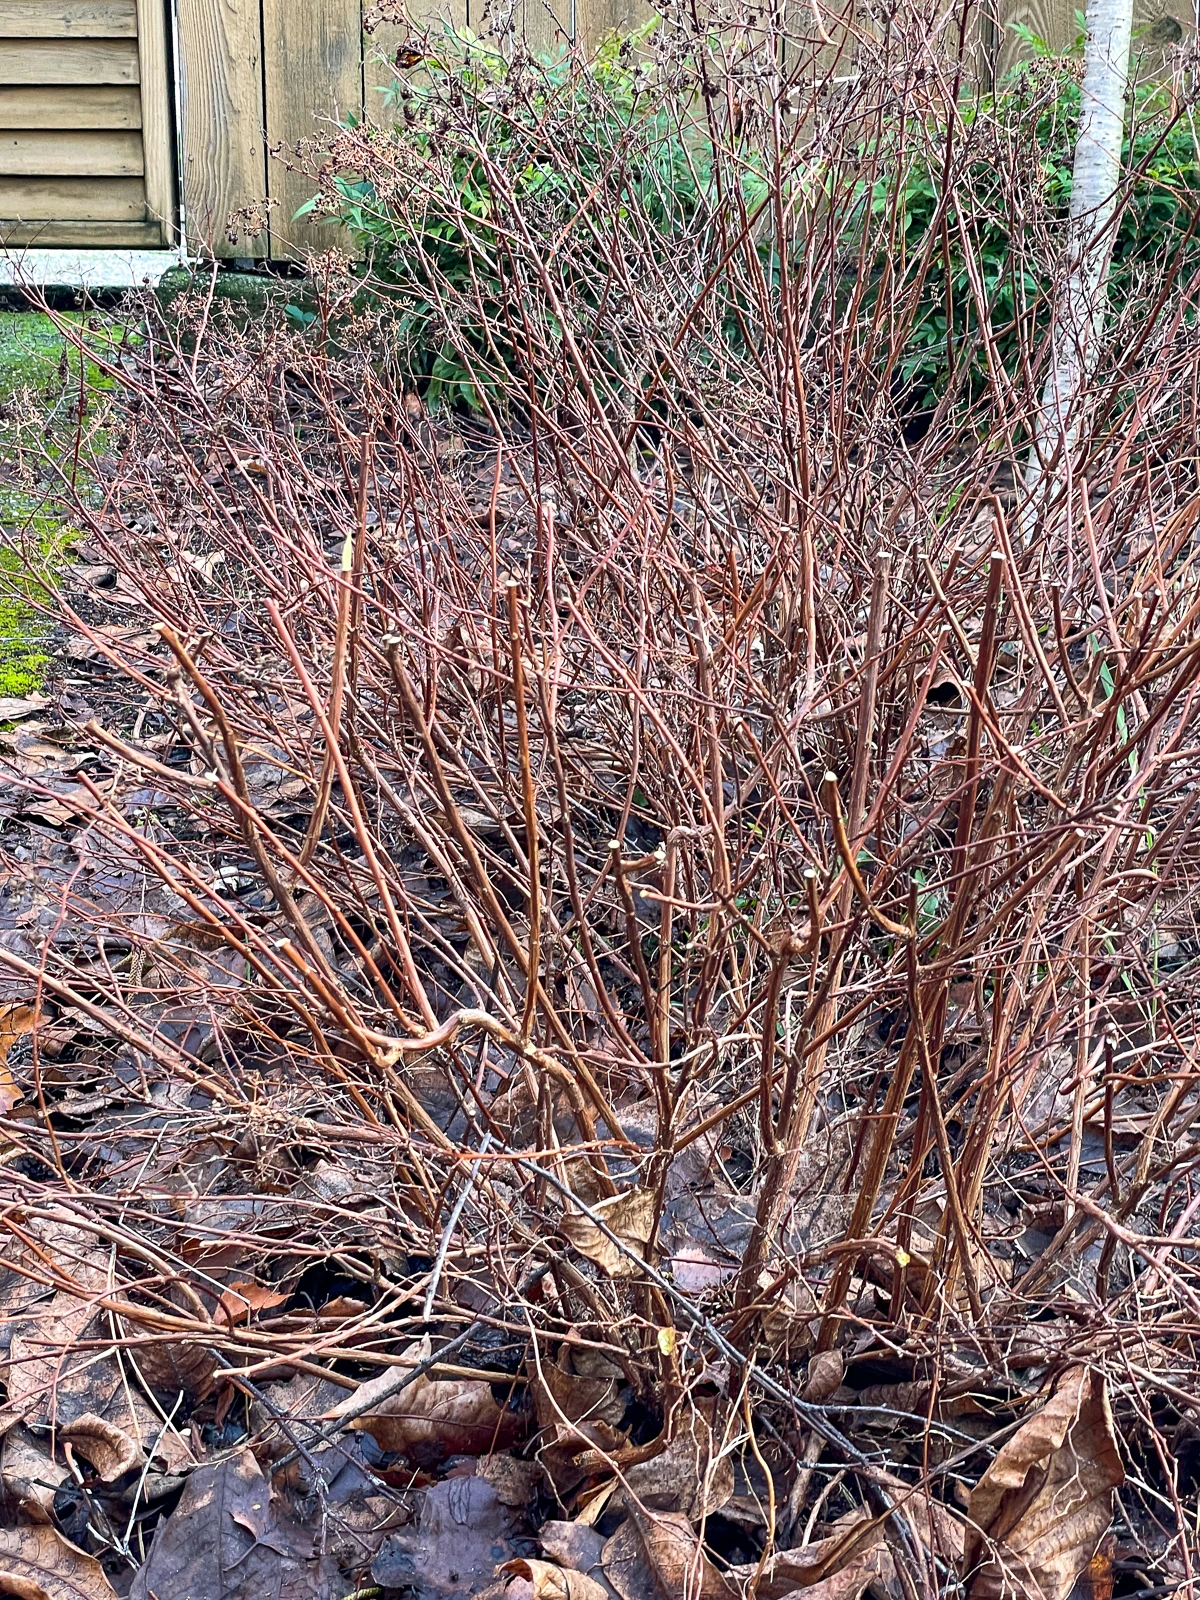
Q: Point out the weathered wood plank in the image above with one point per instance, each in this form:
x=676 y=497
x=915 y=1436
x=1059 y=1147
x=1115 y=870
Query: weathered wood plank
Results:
x=68 y=19
x=224 y=156
x=83 y=235
x=596 y=18
x=68 y=61
x=71 y=154
x=80 y=106
x=73 y=199
x=547 y=24
x=313 y=75
x=158 y=137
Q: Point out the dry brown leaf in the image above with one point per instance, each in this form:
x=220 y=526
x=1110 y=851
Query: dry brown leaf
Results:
x=30 y=1474
x=560 y=1395
x=111 y=1450
x=435 y=1418
x=38 y=1564
x=575 y=1412
x=229 y=1537
x=626 y=1567
x=825 y=1372
x=242 y=1300
x=44 y=1365
x=462 y=1532
x=1039 y=1512
x=687 y=1476
x=852 y=1559
x=10 y=1090
x=629 y=1216
x=805 y=1573
x=572 y=1544
x=15 y=1020
x=696 y=1269
x=166 y=1368
x=515 y=1481
x=676 y=1557
x=15 y=708
x=554 y=1583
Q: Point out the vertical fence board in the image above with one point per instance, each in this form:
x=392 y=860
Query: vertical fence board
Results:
x=595 y=18
x=224 y=157
x=547 y=24
x=312 y=73
x=157 y=136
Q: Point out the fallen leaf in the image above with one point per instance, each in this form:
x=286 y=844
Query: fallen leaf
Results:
x=839 y=1567
x=854 y=1557
x=15 y=1021
x=1039 y=1512
x=45 y=1368
x=696 y=1269
x=37 y=1563
x=629 y=1216
x=242 y=1300
x=204 y=565
x=575 y=1412
x=1096 y=1580
x=562 y=1394
x=515 y=1481
x=463 y=1533
x=134 y=641
x=166 y=1368
x=825 y=1372
x=677 y=1558
x=14 y=708
x=626 y=1567
x=554 y=1583
x=111 y=1450
x=435 y=1418
x=230 y=1537
x=30 y=1475
x=687 y=1476
x=574 y=1545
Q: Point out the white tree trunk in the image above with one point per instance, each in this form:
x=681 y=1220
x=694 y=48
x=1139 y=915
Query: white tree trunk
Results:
x=1079 y=311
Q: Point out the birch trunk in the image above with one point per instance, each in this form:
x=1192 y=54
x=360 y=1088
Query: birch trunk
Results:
x=1079 y=312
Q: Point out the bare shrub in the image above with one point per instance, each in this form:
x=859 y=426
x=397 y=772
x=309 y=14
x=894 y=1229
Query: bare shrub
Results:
x=656 y=862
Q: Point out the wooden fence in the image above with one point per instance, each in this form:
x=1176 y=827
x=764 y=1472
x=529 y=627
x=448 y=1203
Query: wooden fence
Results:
x=284 y=67
x=104 y=104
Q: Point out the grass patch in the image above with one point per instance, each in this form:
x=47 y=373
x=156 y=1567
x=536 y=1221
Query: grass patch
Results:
x=37 y=359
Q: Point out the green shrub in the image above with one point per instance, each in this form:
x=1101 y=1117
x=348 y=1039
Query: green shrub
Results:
x=1006 y=211
x=477 y=137
x=512 y=200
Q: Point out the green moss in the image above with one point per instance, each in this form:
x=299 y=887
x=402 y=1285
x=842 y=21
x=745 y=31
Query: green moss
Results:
x=27 y=575
x=33 y=356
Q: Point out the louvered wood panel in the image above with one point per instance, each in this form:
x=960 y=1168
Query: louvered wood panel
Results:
x=85 y=136
x=68 y=19
x=49 y=106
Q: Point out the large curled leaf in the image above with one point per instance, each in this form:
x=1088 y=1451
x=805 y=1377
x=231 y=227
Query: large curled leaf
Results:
x=39 y=1564
x=1043 y=1506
